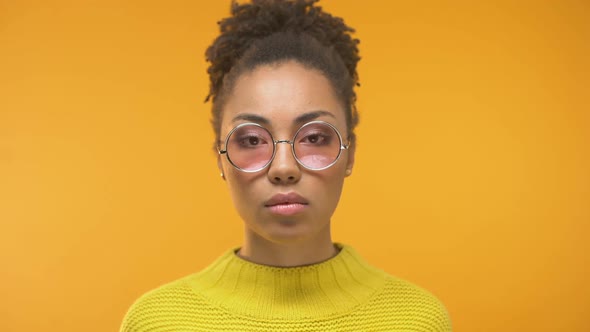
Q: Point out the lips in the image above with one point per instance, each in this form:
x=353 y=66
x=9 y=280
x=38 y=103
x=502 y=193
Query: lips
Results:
x=286 y=204
x=286 y=199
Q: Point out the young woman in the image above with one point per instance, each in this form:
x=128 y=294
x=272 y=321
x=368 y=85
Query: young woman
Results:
x=282 y=85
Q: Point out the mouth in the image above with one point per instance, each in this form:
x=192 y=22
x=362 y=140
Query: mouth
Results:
x=286 y=204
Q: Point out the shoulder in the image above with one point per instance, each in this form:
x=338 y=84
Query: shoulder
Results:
x=157 y=309
x=406 y=305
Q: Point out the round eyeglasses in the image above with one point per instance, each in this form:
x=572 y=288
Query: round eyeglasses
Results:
x=317 y=145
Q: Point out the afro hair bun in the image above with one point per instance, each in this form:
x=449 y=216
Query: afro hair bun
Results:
x=262 y=18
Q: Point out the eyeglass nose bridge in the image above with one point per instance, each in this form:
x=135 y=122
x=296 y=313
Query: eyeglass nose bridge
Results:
x=274 y=153
x=284 y=141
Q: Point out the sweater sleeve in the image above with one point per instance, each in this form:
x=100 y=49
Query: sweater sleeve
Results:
x=154 y=310
x=132 y=316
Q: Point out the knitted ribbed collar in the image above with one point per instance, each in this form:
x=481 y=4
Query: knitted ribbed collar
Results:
x=321 y=290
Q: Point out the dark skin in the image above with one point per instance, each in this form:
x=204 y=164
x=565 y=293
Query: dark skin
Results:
x=281 y=98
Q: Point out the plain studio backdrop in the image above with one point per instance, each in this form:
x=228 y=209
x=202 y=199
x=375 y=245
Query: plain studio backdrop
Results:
x=472 y=177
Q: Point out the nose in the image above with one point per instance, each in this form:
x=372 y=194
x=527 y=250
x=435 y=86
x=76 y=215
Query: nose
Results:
x=284 y=169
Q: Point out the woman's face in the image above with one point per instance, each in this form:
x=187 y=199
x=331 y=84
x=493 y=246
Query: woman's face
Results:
x=285 y=202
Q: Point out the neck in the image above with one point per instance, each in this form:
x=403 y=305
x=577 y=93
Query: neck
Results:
x=288 y=254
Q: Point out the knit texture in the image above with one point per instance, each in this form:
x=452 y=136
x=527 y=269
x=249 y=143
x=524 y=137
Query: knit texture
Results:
x=344 y=293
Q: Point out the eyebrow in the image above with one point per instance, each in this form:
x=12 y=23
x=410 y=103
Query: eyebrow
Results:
x=251 y=118
x=306 y=117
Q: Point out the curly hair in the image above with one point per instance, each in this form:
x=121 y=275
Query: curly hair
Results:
x=267 y=32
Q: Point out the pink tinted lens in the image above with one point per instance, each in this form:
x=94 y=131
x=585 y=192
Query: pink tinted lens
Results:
x=250 y=147
x=317 y=145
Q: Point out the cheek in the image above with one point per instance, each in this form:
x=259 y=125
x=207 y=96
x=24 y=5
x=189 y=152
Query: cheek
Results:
x=328 y=186
x=337 y=180
x=242 y=186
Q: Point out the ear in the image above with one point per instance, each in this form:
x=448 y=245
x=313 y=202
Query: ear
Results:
x=220 y=167
x=350 y=162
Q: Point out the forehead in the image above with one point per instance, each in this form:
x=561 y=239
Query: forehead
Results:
x=281 y=94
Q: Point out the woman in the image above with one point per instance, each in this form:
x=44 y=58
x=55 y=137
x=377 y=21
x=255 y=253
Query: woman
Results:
x=282 y=77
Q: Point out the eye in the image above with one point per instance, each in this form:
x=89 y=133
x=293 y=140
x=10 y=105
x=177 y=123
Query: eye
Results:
x=314 y=138
x=317 y=138
x=251 y=141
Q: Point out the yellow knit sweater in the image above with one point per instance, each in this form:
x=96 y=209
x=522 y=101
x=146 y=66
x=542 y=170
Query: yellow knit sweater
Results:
x=343 y=293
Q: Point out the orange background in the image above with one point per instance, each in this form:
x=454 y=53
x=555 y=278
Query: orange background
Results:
x=472 y=176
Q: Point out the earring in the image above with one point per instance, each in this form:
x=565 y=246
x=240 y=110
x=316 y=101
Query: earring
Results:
x=222 y=175
x=348 y=172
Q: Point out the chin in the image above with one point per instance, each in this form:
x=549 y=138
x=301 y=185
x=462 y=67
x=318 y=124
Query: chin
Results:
x=286 y=231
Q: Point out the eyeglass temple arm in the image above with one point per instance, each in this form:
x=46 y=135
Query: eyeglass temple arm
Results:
x=345 y=147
